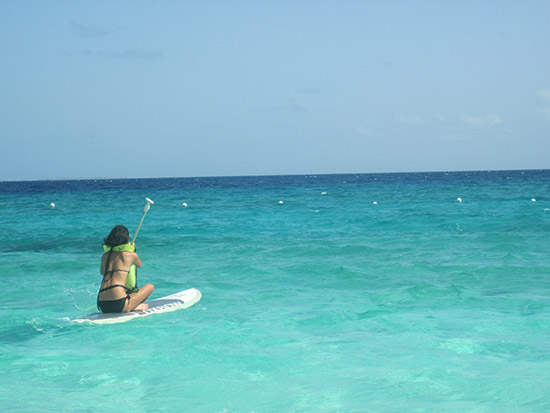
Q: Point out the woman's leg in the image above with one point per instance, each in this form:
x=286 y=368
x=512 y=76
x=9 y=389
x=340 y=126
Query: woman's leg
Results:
x=137 y=298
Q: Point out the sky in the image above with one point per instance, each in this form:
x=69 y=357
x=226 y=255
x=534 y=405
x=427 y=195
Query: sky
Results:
x=132 y=89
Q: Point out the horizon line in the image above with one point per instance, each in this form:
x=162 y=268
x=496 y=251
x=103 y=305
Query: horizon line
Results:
x=270 y=175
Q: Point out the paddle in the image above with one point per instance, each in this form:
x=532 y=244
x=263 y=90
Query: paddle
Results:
x=147 y=206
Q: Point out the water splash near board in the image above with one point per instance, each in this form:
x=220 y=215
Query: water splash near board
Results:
x=174 y=302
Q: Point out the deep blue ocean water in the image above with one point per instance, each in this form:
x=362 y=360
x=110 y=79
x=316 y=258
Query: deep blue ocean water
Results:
x=321 y=293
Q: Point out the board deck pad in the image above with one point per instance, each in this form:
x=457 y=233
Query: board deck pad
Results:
x=173 y=302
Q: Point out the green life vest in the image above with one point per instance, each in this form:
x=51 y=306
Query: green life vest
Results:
x=131 y=279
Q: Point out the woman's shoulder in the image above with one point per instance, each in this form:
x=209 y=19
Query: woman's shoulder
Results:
x=128 y=255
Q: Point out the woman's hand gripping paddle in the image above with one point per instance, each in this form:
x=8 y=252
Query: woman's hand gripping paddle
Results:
x=147 y=206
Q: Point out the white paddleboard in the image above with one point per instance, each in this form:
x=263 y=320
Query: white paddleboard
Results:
x=178 y=301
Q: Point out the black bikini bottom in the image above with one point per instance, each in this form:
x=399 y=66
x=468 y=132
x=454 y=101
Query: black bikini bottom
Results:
x=112 y=306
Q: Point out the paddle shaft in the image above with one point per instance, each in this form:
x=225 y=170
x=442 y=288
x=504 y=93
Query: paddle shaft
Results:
x=147 y=206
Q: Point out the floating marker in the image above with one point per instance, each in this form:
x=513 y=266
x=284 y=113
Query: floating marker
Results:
x=375 y=203
x=323 y=193
x=533 y=200
x=281 y=202
x=459 y=200
x=52 y=205
x=184 y=204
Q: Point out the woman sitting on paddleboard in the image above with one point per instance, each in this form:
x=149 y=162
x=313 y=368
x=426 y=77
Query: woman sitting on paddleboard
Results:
x=118 y=292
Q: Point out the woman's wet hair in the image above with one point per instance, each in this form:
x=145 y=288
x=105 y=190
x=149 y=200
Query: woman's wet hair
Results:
x=119 y=235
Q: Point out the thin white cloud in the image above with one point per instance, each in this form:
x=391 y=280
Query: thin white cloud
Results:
x=136 y=54
x=544 y=111
x=291 y=105
x=309 y=90
x=361 y=130
x=494 y=119
x=456 y=137
x=91 y=31
x=364 y=132
x=490 y=119
x=126 y=54
x=413 y=119
x=544 y=93
x=410 y=119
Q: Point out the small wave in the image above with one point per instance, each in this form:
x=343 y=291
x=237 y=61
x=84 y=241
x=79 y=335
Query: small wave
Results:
x=23 y=332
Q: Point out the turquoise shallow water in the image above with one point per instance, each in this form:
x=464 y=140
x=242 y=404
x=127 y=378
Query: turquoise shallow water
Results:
x=326 y=302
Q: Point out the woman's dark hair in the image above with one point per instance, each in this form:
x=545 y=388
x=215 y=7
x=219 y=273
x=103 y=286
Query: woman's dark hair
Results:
x=119 y=235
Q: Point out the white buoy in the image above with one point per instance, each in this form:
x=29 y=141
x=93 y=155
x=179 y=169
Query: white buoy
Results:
x=533 y=200
x=184 y=204
x=375 y=203
x=281 y=202
x=323 y=193
x=52 y=205
x=459 y=200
